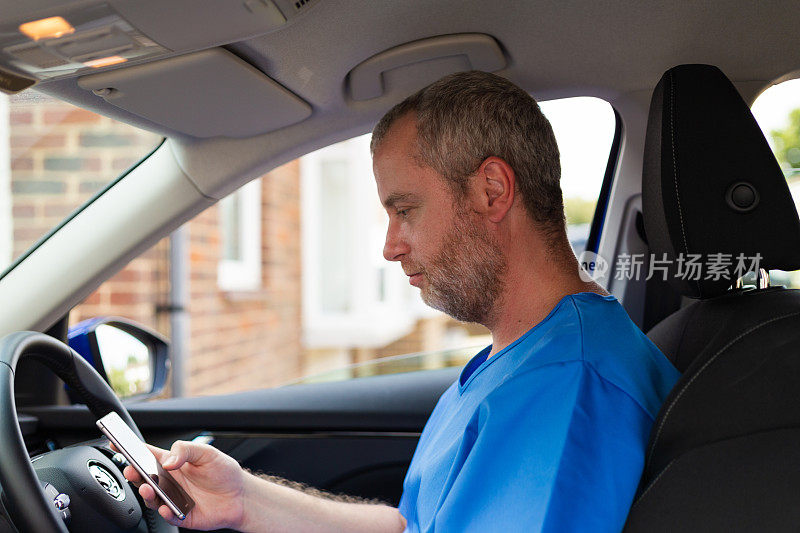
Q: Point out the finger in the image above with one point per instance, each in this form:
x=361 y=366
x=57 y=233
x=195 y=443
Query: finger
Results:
x=132 y=475
x=183 y=452
x=148 y=495
x=167 y=514
x=111 y=445
x=160 y=453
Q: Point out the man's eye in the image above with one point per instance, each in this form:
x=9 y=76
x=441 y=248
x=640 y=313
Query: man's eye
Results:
x=403 y=212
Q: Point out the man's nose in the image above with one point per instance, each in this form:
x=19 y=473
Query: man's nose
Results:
x=395 y=246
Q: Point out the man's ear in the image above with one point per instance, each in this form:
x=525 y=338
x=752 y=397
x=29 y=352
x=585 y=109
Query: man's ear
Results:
x=497 y=185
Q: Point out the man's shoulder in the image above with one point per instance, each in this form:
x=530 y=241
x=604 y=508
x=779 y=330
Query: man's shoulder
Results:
x=591 y=336
x=562 y=337
x=621 y=354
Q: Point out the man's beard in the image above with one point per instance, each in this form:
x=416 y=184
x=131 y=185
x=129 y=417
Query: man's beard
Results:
x=465 y=278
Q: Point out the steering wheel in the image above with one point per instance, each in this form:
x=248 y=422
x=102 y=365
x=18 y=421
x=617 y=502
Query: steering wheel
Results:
x=100 y=497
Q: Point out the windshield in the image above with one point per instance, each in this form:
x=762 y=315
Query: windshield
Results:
x=53 y=158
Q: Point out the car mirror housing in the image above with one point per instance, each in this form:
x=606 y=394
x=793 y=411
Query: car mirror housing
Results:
x=132 y=358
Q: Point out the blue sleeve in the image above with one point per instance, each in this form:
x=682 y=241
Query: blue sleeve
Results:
x=555 y=449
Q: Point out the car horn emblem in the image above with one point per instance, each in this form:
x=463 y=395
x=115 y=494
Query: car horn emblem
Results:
x=107 y=481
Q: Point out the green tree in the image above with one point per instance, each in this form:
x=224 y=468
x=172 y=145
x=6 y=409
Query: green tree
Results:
x=787 y=142
x=118 y=382
x=579 y=210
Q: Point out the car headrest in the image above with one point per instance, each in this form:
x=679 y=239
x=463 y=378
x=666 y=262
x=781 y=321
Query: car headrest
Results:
x=711 y=185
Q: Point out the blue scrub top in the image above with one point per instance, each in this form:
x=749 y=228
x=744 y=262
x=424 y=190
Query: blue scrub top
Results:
x=549 y=434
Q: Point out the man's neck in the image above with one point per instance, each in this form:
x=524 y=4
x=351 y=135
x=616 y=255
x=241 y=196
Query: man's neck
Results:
x=531 y=291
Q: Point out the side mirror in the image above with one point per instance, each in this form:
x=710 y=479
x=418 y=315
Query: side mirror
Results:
x=133 y=359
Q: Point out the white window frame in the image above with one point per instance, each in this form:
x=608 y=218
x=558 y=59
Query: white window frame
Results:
x=245 y=274
x=370 y=322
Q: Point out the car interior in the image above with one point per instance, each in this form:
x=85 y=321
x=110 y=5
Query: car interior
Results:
x=238 y=88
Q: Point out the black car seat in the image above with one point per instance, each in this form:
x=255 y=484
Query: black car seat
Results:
x=724 y=452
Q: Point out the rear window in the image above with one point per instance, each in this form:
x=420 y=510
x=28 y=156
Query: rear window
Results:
x=777 y=111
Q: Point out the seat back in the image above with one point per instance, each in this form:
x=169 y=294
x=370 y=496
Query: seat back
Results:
x=723 y=453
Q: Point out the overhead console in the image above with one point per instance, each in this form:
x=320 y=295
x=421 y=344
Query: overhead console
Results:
x=67 y=41
x=411 y=66
x=141 y=56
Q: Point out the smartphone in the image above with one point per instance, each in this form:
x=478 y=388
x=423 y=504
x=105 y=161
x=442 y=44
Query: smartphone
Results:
x=143 y=460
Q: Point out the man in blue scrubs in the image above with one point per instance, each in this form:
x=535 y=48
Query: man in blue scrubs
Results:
x=545 y=430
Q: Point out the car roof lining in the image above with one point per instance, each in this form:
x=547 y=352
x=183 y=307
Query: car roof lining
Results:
x=614 y=50
x=598 y=59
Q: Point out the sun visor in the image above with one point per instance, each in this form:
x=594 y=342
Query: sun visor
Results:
x=205 y=94
x=411 y=66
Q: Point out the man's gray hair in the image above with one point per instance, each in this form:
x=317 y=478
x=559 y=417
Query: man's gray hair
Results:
x=466 y=117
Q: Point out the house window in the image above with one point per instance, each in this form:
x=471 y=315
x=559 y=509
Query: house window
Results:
x=335 y=222
x=240 y=233
x=351 y=295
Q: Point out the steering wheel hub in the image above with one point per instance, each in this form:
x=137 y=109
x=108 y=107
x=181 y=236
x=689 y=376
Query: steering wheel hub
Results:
x=100 y=498
x=106 y=480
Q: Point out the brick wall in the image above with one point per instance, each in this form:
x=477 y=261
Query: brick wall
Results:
x=249 y=339
x=60 y=156
x=137 y=292
x=238 y=340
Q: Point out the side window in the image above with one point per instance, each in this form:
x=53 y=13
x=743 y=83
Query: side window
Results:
x=584 y=129
x=287 y=278
x=777 y=111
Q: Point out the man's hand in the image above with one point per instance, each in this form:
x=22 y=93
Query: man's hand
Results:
x=226 y=496
x=215 y=482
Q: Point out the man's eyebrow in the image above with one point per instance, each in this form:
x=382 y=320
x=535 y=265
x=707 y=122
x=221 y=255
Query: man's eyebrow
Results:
x=395 y=198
